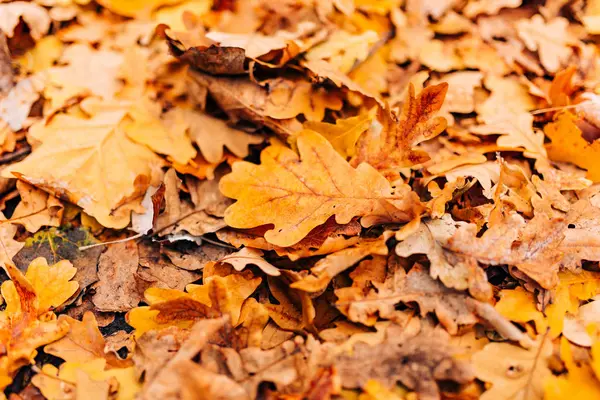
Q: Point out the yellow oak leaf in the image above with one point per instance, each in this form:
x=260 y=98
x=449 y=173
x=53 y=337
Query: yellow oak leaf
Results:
x=572 y=288
x=165 y=138
x=91 y=162
x=36 y=209
x=567 y=144
x=135 y=8
x=342 y=49
x=344 y=133
x=579 y=383
x=26 y=323
x=216 y=296
x=514 y=372
x=90 y=379
x=297 y=194
x=43 y=55
x=518 y=305
x=210 y=134
x=516 y=131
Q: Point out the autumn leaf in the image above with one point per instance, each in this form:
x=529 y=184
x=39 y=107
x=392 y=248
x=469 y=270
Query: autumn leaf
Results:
x=519 y=306
x=28 y=298
x=344 y=134
x=301 y=198
x=568 y=144
x=550 y=39
x=510 y=369
x=580 y=380
x=35 y=16
x=391 y=145
x=135 y=8
x=102 y=147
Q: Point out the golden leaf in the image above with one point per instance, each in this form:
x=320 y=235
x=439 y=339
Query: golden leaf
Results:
x=91 y=162
x=303 y=192
x=567 y=144
x=35 y=16
x=580 y=382
x=344 y=133
x=514 y=372
x=26 y=324
x=518 y=305
x=36 y=209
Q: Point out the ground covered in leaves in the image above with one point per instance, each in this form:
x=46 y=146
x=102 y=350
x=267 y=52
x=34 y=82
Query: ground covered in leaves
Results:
x=300 y=199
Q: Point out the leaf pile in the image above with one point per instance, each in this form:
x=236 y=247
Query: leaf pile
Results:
x=296 y=199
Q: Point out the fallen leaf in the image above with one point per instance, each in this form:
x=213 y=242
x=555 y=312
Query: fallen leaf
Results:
x=511 y=369
x=239 y=260
x=36 y=18
x=390 y=145
x=519 y=306
x=36 y=209
x=550 y=39
x=344 y=134
x=567 y=144
x=302 y=200
x=101 y=147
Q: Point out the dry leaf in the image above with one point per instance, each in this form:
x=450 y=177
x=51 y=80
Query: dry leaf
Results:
x=302 y=199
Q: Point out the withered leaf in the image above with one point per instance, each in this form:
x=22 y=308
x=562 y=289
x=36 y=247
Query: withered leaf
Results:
x=301 y=198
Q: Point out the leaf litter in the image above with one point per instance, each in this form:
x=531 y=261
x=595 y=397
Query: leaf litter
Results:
x=294 y=199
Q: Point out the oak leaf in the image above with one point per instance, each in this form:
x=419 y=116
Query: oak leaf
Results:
x=83 y=343
x=211 y=134
x=343 y=50
x=23 y=327
x=390 y=145
x=35 y=16
x=454 y=271
x=513 y=371
x=36 y=209
x=567 y=144
x=406 y=357
x=580 y=381
x=246 y=256
x=344 y=134
x=299 y=198
x=550 y=39
x=516 y=131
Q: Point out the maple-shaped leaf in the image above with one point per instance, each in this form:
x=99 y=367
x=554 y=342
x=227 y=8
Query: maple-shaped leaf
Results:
x=304 y=192
x=28 y=297
x=512 y=369
x=567 y=144
x=390 y=145
x=90 y=162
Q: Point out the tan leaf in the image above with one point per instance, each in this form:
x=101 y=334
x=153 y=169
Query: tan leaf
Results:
x=248 y=255
x=36 y=18
x=36 y=209
x=512 y=369
x=550 y=39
